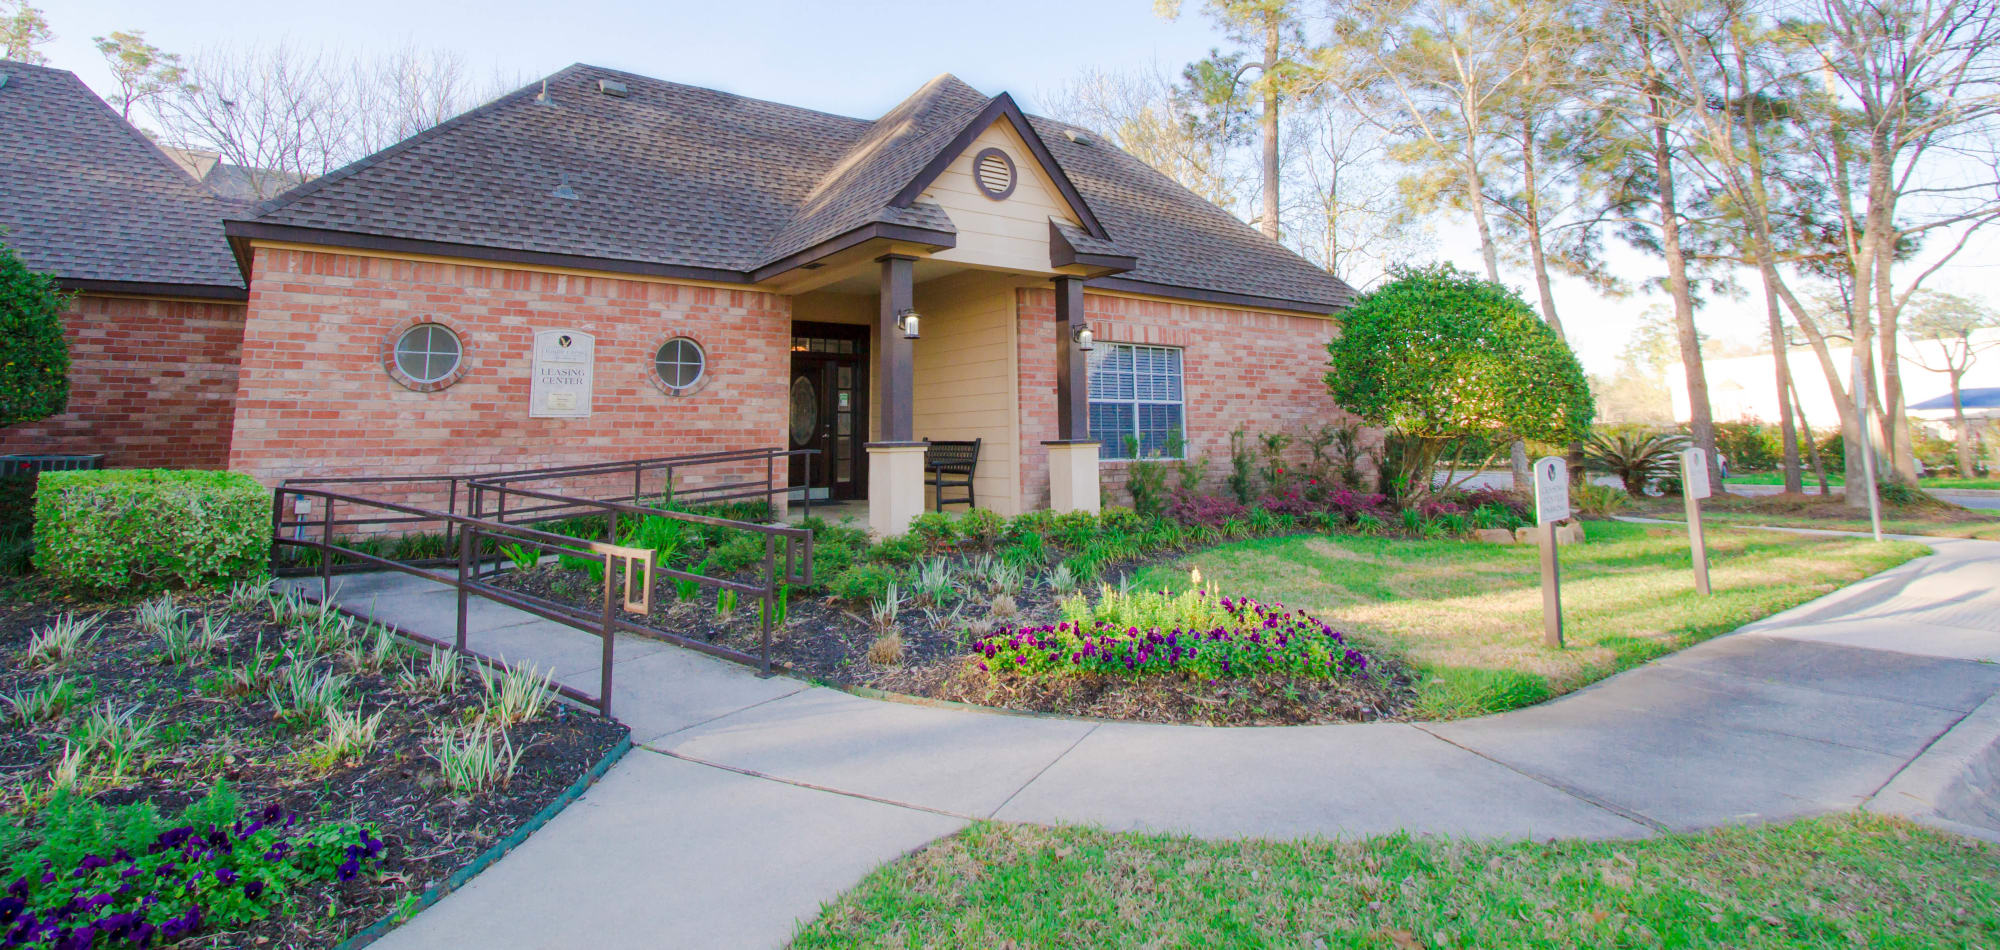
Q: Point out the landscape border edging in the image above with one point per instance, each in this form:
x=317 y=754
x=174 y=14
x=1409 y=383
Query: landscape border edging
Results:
x=487 y=858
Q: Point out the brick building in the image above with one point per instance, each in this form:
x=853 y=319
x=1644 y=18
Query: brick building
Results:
x=604 y=266
x=742 y=274
x=157 y=320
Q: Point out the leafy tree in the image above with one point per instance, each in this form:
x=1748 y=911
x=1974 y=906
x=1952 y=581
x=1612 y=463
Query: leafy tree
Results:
x=22 y=29
x=144 y=72
x=34 y=358
x=1947 y=323
x=1270 y=28
x=1442 y=357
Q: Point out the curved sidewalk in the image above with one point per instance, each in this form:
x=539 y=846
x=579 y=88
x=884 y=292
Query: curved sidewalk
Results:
x=751 y=801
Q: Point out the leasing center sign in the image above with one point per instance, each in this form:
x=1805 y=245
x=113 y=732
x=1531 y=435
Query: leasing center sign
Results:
x=564 y=367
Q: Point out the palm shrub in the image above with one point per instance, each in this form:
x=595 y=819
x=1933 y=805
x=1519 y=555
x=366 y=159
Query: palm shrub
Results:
x=1636 y=458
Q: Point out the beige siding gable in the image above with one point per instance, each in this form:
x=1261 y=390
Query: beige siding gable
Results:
x=1011 y=234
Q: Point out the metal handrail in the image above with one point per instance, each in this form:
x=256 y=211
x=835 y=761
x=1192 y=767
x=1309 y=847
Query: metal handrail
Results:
x=670 y=464
x=470 y=529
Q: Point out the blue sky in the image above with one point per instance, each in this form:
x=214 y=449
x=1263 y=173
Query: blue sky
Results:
x=853 y=58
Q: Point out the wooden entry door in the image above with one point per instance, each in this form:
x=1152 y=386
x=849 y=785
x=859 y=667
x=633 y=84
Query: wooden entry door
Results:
x=829 y=408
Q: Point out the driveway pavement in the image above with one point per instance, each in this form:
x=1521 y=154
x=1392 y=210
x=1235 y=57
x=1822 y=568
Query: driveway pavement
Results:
x=750 y=801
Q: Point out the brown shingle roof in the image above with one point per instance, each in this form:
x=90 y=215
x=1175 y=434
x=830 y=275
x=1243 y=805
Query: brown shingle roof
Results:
x=694 y=180
x=85 y=196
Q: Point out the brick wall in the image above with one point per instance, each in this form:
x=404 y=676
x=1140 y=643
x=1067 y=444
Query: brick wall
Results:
x=152 y=384
x=315 y=398
x=1261 y=371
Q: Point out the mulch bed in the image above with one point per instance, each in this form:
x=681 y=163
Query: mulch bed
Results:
x=825 y=640
x=206 y=737
x=1815 y=507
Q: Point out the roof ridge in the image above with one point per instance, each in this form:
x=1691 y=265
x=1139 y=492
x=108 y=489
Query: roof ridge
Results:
x=711 y=89
x=375 y=158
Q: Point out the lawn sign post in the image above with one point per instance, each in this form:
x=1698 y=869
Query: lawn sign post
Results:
x=1551 y=506
x=1694 y=487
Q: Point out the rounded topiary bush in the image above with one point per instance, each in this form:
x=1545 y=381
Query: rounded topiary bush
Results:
x=142 y=530
x=1440 y=357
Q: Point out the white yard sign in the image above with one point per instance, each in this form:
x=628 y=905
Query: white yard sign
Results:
x=1551 y=490
x=564 y=368
x=1694 y=473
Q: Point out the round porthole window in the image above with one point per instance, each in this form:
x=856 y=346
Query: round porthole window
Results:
x=428 y=353
x=994 y=173
x=681 y=364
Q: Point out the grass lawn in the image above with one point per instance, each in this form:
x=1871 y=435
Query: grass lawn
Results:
x=1928 y=481
x=1467 y=617
x=1843 y=881
x=1832 y=514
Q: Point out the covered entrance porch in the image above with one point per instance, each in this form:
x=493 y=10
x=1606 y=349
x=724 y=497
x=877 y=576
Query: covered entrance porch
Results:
x=897 y=350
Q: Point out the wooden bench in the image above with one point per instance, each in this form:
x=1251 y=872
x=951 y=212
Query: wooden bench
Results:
x=950 y=465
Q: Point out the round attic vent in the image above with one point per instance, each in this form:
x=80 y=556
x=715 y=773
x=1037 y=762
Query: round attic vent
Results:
x=994 y=172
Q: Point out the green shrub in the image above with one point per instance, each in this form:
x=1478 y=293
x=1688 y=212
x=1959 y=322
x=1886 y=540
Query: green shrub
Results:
x=740 y=552
x=982 y=527
x=1598 y=501
x=1145 y=480
x=936 y=531
x=862 y=583
x=1749 y=446
x=902 y=550
x=1074 y=529
x=1242 y=468
x=143 y=530
x=34 y=358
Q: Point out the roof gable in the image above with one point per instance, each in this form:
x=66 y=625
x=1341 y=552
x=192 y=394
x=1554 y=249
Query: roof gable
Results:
x=1002 y=108
x=85 y=196
x=860 y=188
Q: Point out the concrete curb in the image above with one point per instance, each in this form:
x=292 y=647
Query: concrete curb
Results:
x=486 y=859
x=1946 y=771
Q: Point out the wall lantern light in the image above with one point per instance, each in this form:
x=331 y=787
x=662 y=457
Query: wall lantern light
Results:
x=1084 y=339
x=907 y=322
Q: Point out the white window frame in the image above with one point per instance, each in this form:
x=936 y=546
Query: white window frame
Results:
x=426 y=354
x=1141 y=396
x=701 y=373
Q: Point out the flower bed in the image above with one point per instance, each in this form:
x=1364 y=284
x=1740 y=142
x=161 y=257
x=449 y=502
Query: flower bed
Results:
x=1192 y=657
x=1194 y=634
x=256 y=771
x=902 y=615
x=214 y=868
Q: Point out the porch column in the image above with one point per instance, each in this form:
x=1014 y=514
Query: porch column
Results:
x=1073 y=483
x=1072 y=364
x=895 y=464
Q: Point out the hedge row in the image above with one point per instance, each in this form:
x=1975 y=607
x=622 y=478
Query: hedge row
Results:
x=142 y=530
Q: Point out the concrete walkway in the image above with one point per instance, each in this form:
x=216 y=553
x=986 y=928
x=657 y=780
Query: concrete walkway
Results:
x=750 y=802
